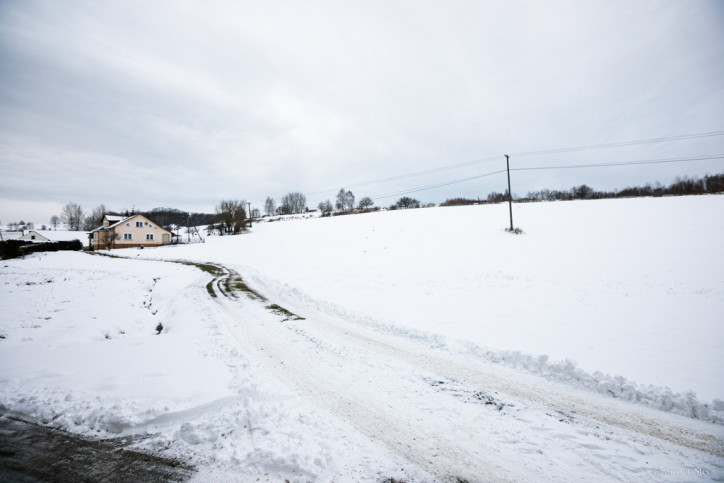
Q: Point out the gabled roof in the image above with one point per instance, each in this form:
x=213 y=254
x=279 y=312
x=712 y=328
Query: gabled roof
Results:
x=113 y=218
x=31 y=233
x=62 y=235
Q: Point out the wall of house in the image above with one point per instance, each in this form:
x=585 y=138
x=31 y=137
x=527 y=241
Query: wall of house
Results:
x=34 y=237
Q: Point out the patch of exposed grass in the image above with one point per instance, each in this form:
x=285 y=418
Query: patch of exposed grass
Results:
x=210 y=288
x=236 y=284
x=279 y=310
x=206 y=267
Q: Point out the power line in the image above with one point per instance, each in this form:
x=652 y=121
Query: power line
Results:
x=623 y=163
x=620 y=144
x=425 y=188
x=523 y=154
x=593 y=165
x=410 y=175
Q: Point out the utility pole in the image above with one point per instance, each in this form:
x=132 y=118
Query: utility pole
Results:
x=249 y=214
x=510 y=194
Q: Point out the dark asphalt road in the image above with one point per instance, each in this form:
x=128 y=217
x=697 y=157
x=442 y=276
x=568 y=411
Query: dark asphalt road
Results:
x=29 y=452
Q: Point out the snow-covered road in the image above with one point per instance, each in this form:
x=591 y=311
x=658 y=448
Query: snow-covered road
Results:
x=458 y=417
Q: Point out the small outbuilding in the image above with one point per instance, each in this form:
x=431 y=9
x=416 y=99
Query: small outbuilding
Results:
x=34 y=236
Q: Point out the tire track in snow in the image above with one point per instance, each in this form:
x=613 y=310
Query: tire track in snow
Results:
x=444 y=445
x=679 y=430
x=417 y=436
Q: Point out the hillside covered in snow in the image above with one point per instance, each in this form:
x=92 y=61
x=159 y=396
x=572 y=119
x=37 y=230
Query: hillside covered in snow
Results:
x=420 y=345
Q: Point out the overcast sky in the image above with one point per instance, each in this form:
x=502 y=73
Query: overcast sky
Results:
x=183 y=103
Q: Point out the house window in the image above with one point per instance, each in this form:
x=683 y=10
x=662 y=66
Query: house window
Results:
x=149 y=236
x=32 y=237
x=128 y=236
x=128 y=224
x=139 y=224
x=95 y=236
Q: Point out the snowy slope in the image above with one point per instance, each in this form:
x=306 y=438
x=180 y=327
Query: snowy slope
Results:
x=83 y=329
x=630 y=288
x=419 y=345
x=79 y=350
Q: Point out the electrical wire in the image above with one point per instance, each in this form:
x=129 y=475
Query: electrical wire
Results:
x=623 y=163
x=620 y=144
x=410 y=175
x=531 y=168
x=525 y=154
x=425 y=188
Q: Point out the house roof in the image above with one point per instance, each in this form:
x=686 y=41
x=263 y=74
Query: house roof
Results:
x=117 y=219
x=62 y=235
x=31 y=234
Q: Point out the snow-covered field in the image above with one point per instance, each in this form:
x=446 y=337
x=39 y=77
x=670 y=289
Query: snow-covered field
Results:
x=631 y=288
x=433 y=344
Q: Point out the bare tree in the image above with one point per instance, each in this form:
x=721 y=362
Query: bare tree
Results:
x=269 y=206
x=95 y=219
x=325 y=207
x=72 y=215
x=54 y=221
x=365 y=203
x=109 y=237
x=407 y=202
x=232 y=216
x=341 y=199
x=345 y=200
x=293 y=203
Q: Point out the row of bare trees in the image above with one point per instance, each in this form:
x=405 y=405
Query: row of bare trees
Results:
x=345 y=203
x=291 y=203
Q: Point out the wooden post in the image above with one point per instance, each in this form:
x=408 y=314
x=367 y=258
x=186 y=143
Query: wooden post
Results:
x=510 y=194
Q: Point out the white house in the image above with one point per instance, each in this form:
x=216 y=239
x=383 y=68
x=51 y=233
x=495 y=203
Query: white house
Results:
x=127 y=232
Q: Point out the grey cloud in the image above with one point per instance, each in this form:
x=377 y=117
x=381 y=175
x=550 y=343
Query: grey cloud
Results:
x=203 y=100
